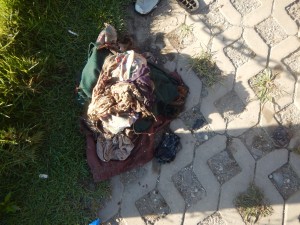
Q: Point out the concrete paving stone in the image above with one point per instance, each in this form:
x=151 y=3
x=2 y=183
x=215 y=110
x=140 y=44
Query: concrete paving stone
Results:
x=267 y=118
x=270 y=31
x=197 y=124
x=245 y=6
x=297 y=94
x=191 y=80
x=199 y=28
x=285 y=180
x=281 y=9
x=264 y=167
x=292 y=62
x=238 y=52
x=243 y=75
x=115 y=220
x=137 y=183
x=258 y=142
x=230 y=13
x=224 y=166
x=165 y=185
x=258 y=15
x=230 y=35
x=295 y=162
x=237 y=184
x=214 y=20
x=111 y=208
x=292 y=213
x=214 y=219
x=152 y=207
x=230 y=106
x=209 y=204
x=248 y=118
x=293 y=9
x=188 y=185
x=256 y=44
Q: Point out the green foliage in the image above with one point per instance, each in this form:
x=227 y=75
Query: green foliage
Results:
x=252 y=205
x=206 y=68
x=264 y=85
x=8 y=206
x=39 y=63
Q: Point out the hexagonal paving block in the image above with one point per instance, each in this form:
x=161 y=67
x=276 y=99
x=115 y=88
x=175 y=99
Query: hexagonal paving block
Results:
x=188 y=185
x=245 y=6
x=230 y=106
x=213 y=19
x=257 y=142
x=214 y=219
x=224 y=166
x=292 y=62
x=152 y=207
x=238 y=52
x=197 y=124
x=285 y=180
x=270 y=31
x=294 y=11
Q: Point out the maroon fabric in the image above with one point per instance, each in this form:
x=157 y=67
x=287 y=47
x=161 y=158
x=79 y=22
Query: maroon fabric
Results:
x=142 y=153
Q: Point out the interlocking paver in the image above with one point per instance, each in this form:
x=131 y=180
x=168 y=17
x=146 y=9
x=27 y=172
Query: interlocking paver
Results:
x=238 y=183
x=188 y=185
x=285 y=180
x=285 y=13
x=208 y=205
x=258 y=15
x=263 y=169
x=224 y=126
x=245 y=6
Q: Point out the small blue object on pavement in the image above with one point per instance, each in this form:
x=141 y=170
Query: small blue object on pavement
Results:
x=95 y=222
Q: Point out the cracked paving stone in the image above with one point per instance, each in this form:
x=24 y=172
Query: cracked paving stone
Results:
x=224 y=166
x=230 y=106
x=257 y=142
x=214 y=219
x=197 y=124
x=188 y=185
x=285 y=180
x=270 y=31
x=292 y=62
x=238 y=52
x=294 y=11
x=245 y=6
x=152 y=207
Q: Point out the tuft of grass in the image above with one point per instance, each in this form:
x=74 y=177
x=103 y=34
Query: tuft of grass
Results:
x=185 y=30
x=205 y=67
x=264 y=86
x=297 y=150
x=39 y=133
x=252 y=205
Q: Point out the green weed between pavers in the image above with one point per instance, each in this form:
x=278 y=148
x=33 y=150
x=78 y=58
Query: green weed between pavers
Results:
x=252 y=205
x=264 y=86
x=205 y=67
x=39 y=133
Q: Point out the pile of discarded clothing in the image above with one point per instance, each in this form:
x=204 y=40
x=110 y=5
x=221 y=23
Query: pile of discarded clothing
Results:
x=128 y=100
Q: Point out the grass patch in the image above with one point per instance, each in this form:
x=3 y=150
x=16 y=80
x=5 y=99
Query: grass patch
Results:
x=205 y=67
x=296 y=150
x=39 y=134
x=264 y=86
x=252 y=205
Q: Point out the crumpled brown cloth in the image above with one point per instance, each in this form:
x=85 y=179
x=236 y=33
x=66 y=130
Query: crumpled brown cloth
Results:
x=142 y=153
